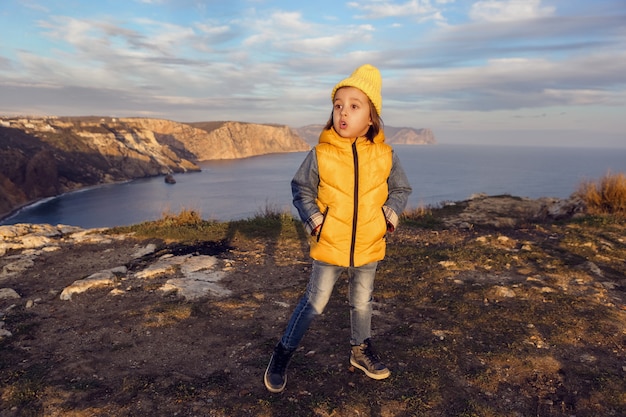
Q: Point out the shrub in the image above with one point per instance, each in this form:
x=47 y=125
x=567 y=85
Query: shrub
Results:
x=185 y=226
x=606 y=196
x=184 y=218
x=271 y=211
x=431 y=217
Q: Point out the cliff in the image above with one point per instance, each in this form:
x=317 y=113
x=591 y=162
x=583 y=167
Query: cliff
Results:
x=393 y=135
x=45 y=157
x=240 y=140
x=205 y=141
x=409 y=136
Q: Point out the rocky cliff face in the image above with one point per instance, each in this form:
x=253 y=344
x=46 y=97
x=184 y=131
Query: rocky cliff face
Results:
x=241 y=140
x=46 y=157
x=409 y=136
x=393 y=135
x=205 y=141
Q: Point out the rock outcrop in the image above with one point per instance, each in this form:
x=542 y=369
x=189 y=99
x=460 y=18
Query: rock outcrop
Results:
x=46 y=157
x=393 y=135
x=195 y=275
x=509 y=211
x=409 y=136
x=205 y=141
x=191 y=276
x=231 y=140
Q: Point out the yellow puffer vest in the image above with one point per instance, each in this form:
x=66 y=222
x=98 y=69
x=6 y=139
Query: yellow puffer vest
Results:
x=351 y=194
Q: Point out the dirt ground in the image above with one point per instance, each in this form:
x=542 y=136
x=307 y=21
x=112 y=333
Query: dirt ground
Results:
x=475 y=322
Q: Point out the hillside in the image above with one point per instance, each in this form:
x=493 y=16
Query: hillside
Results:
x=393 y=135
x=482 y=308
x=45 y=157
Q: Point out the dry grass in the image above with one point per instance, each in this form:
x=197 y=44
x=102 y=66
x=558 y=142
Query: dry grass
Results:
x=431 y=216
x=185 y=226
x=185 y=217
x=606 y=196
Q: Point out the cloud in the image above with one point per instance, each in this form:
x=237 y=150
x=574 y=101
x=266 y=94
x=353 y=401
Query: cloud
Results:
x=585 y=97
x=104 y=53
x=509 y=10
x=376 y=9
x=282 y=32
x=276 y=27
x=213 y=30
x=36 y=6
x=515 y=83
x=5 y=64
x=278 y=65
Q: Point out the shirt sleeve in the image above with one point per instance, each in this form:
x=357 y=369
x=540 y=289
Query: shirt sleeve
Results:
x=304 y=187
x=399 y=191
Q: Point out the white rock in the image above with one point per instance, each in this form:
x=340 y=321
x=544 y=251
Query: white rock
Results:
x=594 y=269
x=13 y=231
x=609 y=285
x=441 y=334
x=6 y=246
x=51 y=248
x=504 y=292
x=162 y=266
x=47 y=230
x=66 y=230
x=94 y=236
x=198 y=263
x=192 y=289
x=197 y=281
x=99 y=279
x=588 y=358
x=17 y=267
x=8 y=293
x=148 y=249
x=197 y=284
x=119 y=270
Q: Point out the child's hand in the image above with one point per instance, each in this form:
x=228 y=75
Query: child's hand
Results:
x=316 y=231
x=390 y=227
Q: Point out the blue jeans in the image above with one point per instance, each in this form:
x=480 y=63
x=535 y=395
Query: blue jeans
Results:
x=318 y=291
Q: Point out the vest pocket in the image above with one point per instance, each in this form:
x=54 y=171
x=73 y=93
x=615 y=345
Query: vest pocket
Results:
x=319 y=234
x=382 y=210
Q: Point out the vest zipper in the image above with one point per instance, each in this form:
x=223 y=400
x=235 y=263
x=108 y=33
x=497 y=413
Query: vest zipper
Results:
x=355 y=158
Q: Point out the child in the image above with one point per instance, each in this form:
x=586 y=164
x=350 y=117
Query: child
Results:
x=349 y=192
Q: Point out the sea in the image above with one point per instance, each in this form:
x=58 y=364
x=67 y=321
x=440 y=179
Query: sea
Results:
x=243 y=188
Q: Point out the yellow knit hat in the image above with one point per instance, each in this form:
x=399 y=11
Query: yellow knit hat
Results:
x=367 y=79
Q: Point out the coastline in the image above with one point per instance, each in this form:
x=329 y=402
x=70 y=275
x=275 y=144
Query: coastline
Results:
x=234 y=189
x=44 y=200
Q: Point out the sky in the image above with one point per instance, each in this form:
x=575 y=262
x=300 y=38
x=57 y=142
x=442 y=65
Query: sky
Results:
x=511 y=72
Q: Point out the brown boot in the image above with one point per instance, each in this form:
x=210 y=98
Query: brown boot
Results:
x=365 y=358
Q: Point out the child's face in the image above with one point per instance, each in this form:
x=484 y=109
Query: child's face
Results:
x=351 y=112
